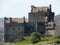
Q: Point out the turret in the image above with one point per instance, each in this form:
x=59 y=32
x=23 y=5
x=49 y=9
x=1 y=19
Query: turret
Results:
x=24 y=19
x=32 y=6
x=5 y=18
x=50 y=7
x=10 y=19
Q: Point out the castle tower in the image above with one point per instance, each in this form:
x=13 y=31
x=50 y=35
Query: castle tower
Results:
x=43 y=17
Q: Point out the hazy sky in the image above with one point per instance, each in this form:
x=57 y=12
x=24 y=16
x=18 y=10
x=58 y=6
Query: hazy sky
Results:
x=20 y=8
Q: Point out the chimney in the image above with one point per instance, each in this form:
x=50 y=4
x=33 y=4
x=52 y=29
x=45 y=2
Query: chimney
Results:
x=50 y=7
x=5 y=19
x=32 y=6
x=10 y=19
x=24 y=19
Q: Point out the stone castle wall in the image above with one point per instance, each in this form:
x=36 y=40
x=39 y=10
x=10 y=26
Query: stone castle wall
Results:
x=13 y=31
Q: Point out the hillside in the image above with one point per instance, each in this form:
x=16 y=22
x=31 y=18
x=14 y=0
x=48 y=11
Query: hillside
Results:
x=57 y=22
x=1 y=24
x=1 y=28
x=57 y=19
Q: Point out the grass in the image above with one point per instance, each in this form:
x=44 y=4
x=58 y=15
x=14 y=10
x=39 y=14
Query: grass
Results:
x=27 y=41
x=15 y=44
x=39 y=43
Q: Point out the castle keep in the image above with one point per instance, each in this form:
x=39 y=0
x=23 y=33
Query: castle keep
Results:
x=41 y=19
x=44 y=19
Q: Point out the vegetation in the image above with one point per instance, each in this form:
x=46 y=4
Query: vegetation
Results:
x=19 y=40
x=1 y=37
x=36 y=39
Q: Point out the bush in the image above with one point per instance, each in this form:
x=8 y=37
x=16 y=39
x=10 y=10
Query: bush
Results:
x=19 y=39
x=58 y=37
x=58 y=41
x=35 y=37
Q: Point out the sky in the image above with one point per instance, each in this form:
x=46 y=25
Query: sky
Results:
x=21 y=8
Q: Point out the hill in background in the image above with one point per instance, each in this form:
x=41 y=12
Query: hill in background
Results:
x=1 y=24
x=57 y=19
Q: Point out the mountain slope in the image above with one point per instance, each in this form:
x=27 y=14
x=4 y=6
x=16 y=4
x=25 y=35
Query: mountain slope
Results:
x=57 y=19
x=1 y=25
x=57 y=22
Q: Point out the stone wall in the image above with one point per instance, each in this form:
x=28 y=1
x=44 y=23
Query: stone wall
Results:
x=13 y=31
x=57 y=30
x=37 y=17
x=51 y=32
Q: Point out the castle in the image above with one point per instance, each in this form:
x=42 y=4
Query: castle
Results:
x=41 y=19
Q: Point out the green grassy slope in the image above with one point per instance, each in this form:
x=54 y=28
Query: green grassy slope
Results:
x=27 y=41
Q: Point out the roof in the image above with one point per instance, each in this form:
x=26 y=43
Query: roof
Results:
x=17 y=20
x=37 y=9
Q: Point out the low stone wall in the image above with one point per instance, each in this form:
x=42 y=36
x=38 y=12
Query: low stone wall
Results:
x=51 y=44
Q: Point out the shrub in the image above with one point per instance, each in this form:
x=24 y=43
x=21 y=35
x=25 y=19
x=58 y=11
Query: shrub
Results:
x=58 y=37
x=35 y=37
x=19 y=39
x=58 y=41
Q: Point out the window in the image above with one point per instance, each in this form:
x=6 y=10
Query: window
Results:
x=49 y=24
x=18 y=28
x=13 y=28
